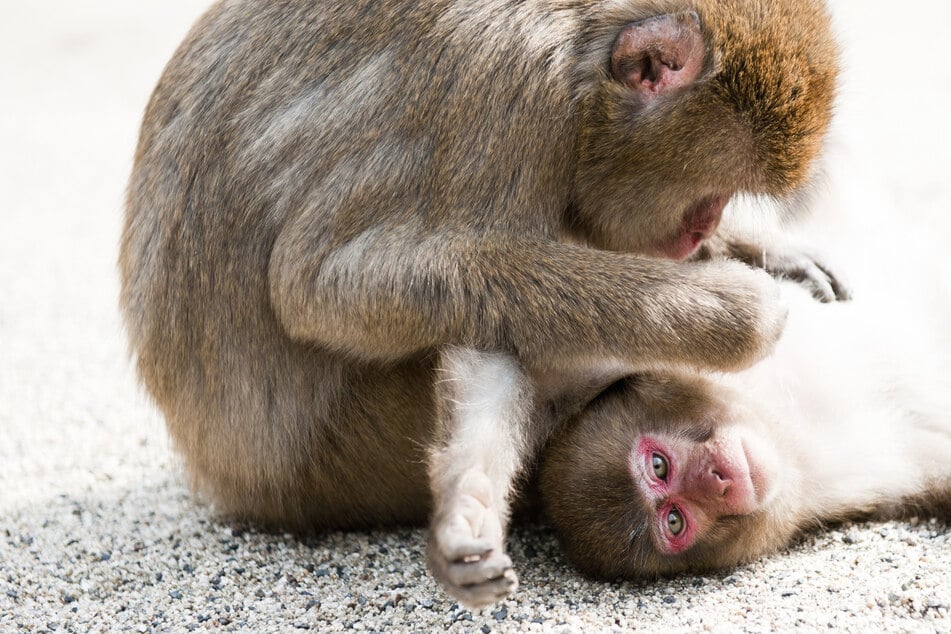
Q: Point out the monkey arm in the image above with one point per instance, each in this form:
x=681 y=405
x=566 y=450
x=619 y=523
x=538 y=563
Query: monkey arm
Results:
x=393 y=290
x=485 y=431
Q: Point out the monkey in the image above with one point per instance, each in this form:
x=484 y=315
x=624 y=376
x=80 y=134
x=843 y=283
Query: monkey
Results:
x=372 y=250
x=671 y=472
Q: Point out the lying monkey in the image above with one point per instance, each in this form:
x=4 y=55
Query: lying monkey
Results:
x=368 y=243
x=849 y=418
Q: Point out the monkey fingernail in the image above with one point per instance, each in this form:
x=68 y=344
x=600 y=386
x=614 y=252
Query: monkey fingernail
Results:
x=475 y=556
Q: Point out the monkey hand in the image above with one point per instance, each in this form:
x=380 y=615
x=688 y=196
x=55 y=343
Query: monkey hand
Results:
x=807 y=270
x=735 y=318
x=785 y=262
x=466 y=542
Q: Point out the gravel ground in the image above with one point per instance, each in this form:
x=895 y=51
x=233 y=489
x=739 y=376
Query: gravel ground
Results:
x=97 y=530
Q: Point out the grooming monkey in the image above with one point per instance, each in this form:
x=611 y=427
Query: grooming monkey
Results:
x=372 y=248
x=847 y=419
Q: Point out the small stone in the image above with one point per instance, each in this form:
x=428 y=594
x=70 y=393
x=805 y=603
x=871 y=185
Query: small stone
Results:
x=501 y=614
x=175 y=594
x=670 y=599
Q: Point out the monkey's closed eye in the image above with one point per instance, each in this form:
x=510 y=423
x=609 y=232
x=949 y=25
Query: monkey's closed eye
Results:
x=660 y=466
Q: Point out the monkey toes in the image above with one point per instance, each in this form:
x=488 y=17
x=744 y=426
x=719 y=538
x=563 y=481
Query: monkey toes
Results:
x=466 y=546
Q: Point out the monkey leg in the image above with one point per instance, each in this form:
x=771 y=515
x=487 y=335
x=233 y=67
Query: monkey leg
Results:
x=484 y=403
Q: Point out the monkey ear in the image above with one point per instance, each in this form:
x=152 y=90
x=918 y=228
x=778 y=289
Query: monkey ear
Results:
x=659 y=55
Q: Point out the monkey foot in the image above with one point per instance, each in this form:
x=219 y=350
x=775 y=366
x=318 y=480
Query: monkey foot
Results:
x=466 y=551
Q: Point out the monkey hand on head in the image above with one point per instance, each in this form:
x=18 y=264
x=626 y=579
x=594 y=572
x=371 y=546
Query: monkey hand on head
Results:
x=361 y=237
x=670 y=472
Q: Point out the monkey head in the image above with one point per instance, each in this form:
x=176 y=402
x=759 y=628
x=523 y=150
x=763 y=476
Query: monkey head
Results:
x=660 y=476
x=693 y=105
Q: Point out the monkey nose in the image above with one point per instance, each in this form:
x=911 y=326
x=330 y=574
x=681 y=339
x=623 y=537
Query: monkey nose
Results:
x=715 y=483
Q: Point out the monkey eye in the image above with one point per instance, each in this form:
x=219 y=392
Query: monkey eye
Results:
x=660 y=466
x=675 y=522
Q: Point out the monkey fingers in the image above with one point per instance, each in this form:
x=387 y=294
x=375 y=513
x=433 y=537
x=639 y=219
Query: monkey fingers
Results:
x=472 y=530
x=466 y=553
x=478 y=582
x=815 y=276
x=491 y=567
x=821 y=281
x=786 y=262
x=480 y=595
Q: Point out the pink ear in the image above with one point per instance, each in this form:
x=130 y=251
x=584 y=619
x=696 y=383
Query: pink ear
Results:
x=659 y=55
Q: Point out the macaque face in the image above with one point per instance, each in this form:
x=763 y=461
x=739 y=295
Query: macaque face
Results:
x=659 y=476
x=706 y=102
x=686 y=487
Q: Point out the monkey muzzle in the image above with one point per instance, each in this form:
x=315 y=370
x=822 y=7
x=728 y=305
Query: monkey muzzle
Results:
x=699 y=223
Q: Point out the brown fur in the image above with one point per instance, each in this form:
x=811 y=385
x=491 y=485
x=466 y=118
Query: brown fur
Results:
x=327 y=193
x=588 y=490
